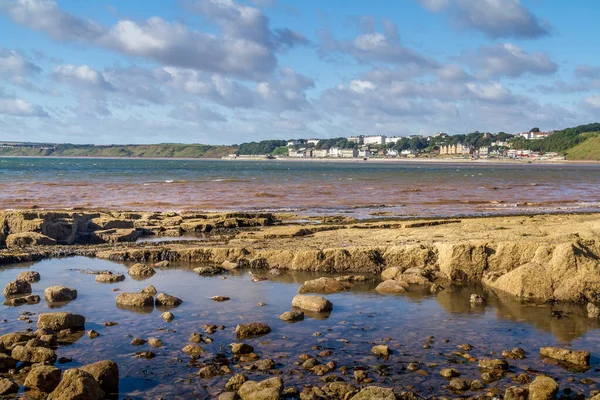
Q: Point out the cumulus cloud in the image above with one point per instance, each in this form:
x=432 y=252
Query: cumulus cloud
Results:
x=592 y=102
x=13 y=63
x=82 y=75
x=505 y=59
x=493 y=18
x=21 y=108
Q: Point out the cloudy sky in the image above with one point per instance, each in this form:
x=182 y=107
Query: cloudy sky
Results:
x=229 y=71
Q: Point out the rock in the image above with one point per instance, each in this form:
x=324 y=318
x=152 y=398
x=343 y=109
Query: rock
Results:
x=312 y=303
x=435 y=288
x=106 y=373
x=449 y=373
x=29 y=276
x=26 y=239
x=167 y=316
x=375 y=393
x=236 y=382
x=138 y=341
x=7 y=362
x=391 y=287
x=228 y=396
x=155 y=342
x=543 y=388
x=166 y=300
x=228 y=265
x=459 y=384
x=592 y=309
x=493 y=364
x=322 y=285
x=265 y=365
x=118 y=235
x=269 y=389
x=292 y=316
x=17 y=288
x=352 y=278
x=77 y=385
x=381 y=351
x=476 y=385
x=241 y=348
x=209 y=270
x=110 y=278
x=33 y=354
x=10 y=340
x=220 y=298
x=210 y=371
x=516 y=354
x=135 y=300
x=92 y=334
x=516 y=393
x=59 y=293
x=162 y=264
x=141 y=271
x=193 y=350
x=43 y=378
x=390 y=273
x=580 y=357
x=148 y=355
x=477 y=299
x=252 y=329
x=151 y=290
x=61 y=320
x=17 y=301
x=8 y=387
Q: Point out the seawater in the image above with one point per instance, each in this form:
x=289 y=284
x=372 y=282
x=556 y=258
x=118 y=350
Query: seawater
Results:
x=360 y=319
x=359 y=189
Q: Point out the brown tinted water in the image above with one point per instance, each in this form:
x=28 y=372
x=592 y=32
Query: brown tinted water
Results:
x=360 y=319
x=359 y=188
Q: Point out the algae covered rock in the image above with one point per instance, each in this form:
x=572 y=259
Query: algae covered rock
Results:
x=543 y=388
x=106 y=373
x=17 y=288
x=252 y=329
x=577 y=357
x=135 y=300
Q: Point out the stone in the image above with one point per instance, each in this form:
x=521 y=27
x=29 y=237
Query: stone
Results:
x=220 y=298
x=391 y=273
x=322 y=285
x=292 y=316
x=252 y=329
x=193 y=350
x=577 y=357
x=381 y=351
x=26 y=239
x=17 y=288
x=228 y=396
x=236 y=382
x=61 y=320
x=264 y=365
x=106 y=373
x=33 y=354
x=7 y=363
x=166 y=300
x=209 y=270
x=449 y=373
x=151 y=290
x=59 y=293
x=477 y=299
x=8 y=387
x=167 y=316
x=141 y=271
x=138 y=341
x=269 y=389
x=92 y=334
x=17 y=301
x=10 y=340
x=110 y=278
x=391 y=287
x=134 y=300
x=316 y=304
x=375 y=392
x=29 y=276
x=155 y=342
x=543 y=388
x=241 y=348
x=592 y=310
x=209 y=371
x=44 y=378
x=516 y=393
x=118 y=235
x=459 y=384
x=493 y=364
x=162 y=264
x=77 y=384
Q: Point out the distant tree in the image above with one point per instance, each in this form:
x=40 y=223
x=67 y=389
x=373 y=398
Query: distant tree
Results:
x=534 y=130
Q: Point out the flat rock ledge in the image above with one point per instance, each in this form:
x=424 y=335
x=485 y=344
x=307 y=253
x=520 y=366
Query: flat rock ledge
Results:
x=577 y=357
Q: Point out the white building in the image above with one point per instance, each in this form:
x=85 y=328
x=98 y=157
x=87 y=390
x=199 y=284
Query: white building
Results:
x=357 y=139
x=392 y=139
x=300 y=153
x=392 y=153
x=334 y=152
x=374 y=139
x=313 y=141
x=291 y=143
x=348 y=153
x=320 y=153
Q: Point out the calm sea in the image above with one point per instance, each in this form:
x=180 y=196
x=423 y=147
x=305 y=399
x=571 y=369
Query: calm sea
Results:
x=359 y=189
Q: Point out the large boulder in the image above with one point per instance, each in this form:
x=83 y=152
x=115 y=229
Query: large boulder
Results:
x=391 y=286
x=27 y=239
x=44 y=378
x=135 y=300
x=29 y=276
x=61 y=320
x=269 y=389
x=106 y=373
x=8 y=387
x=141 y=271
x=252 y=329
x=316 y=304
x=166 y=300
x=543 y=388
x=375 y=392
x=59 y=293
x=17 y=288
x=33 y=354
x=77 y=385
x=322 y=285
x=580 y=357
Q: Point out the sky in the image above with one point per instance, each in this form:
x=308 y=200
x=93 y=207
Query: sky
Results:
x=233 y=71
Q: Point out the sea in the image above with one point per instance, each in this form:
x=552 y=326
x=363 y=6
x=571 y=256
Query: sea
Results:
x=360 y=189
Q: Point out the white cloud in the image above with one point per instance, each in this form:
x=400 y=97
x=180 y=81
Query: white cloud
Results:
x=592 y=102
x=21 y=108
x=505 y=59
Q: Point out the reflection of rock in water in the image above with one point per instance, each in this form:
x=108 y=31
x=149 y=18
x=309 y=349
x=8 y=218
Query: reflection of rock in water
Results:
x=137 y=310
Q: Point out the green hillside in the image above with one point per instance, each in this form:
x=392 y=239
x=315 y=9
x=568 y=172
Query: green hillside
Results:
x=589 y=149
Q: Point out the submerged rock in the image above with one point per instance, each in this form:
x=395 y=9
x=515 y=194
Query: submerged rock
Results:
x=60 y=320
x=220 y=298
x=59 y=293
x=312 y=303
x=162 y=264
x=77 y=385
x=269 y=389
x=209 y=270
x=44 y=378
x=292 y=316
x=543 y=388
x=577 y=357
x=17 y=288
x=322 y=285
x=252 y=329
x=17 y=301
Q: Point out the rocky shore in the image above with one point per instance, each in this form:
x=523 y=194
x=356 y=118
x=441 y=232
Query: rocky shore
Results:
x=536 y=258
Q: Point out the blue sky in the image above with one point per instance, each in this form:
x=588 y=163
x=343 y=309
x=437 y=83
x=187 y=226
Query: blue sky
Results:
x=226 y=71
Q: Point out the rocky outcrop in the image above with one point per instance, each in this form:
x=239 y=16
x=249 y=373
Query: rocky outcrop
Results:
x=77 y=384
x=28 y=239
x=61 y=320
x=543 y=388
x=577 y=357
x=55 y=294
